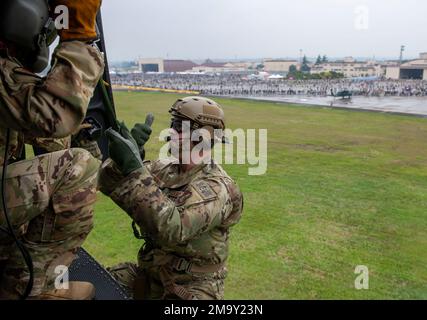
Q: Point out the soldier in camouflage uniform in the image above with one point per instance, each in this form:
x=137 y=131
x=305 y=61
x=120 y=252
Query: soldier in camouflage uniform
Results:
x=49 y=198
x=184 y=211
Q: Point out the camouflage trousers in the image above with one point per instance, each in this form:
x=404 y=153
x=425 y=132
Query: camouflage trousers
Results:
x=146 y=284
x=49 y=200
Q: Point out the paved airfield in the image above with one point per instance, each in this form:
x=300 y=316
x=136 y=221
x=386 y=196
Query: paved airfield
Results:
x=410 y=105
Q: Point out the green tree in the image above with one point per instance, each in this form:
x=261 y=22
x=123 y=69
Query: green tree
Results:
x=319 y=59
x=324 y=59
x=305 y=68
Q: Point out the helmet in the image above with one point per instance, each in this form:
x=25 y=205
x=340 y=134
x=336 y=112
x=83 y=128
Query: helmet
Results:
x=202 y=111
x=26 y=23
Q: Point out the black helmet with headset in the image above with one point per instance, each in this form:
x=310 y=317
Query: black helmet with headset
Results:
x=27 y=24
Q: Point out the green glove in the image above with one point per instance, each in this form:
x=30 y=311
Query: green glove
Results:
x=123 y=149
x=141 y=133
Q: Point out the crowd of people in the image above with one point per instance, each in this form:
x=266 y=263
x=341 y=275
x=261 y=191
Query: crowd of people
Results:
x=242 y=85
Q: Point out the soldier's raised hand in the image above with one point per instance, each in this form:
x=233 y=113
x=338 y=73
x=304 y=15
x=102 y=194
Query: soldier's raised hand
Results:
x=141 y=133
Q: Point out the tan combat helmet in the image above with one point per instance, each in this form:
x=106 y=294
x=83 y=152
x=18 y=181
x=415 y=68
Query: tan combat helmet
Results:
x=201 y=112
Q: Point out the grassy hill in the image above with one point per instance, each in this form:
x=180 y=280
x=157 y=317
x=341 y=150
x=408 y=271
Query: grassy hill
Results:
x=343 y=188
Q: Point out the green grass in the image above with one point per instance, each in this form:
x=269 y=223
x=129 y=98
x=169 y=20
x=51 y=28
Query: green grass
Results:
x=343 y=188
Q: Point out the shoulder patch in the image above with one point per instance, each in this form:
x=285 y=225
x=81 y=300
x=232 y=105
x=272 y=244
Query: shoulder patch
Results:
x=204 y=190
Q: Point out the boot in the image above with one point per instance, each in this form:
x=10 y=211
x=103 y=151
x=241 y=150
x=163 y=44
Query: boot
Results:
x=77 y=290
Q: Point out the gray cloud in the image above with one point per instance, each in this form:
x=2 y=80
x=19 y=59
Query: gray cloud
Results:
x=198 y=29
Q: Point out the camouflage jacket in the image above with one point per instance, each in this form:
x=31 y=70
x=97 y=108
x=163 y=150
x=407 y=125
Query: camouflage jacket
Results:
x=186 y=215
x=52 y=107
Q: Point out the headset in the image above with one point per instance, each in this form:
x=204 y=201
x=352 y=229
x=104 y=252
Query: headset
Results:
x=28 y=25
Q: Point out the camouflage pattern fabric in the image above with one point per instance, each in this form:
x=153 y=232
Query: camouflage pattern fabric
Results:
x=50 y=197
x=183 y=216
x=50 y=144
x=49 y=200
x=89 y=145
x=51 y=107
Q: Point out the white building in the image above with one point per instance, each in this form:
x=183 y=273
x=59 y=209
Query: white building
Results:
x=415 y=69
x=279 y=65
x=151 y=65
x=217 y=67
x=351 y=68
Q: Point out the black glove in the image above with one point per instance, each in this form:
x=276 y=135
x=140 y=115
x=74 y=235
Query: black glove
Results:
x=123 y=149
x=141 y=133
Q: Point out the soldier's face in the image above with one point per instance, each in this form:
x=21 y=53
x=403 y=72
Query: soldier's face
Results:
x=186 y=145
x=180 y=144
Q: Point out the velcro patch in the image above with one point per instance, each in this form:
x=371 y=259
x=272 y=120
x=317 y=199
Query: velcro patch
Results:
x=204 y=190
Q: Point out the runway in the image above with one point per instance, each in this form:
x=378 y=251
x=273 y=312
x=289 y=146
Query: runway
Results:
x=405 y=105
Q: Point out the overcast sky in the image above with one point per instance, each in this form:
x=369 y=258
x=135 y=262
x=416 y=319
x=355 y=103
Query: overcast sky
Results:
x=229 y=29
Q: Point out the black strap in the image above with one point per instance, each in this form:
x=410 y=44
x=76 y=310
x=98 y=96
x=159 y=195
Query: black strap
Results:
x=136 y=232
x=10 y=230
